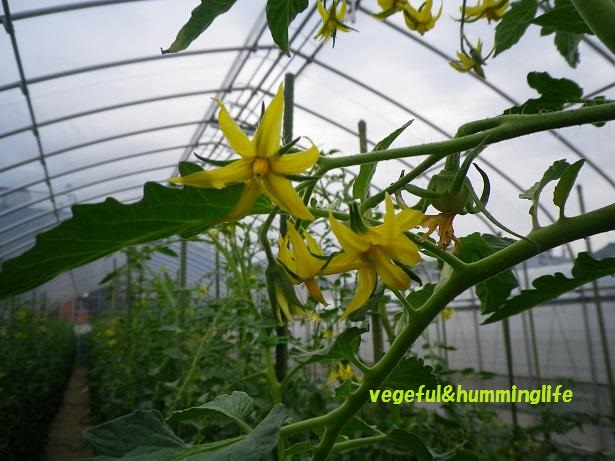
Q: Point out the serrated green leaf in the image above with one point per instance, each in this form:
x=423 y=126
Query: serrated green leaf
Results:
x=554 y=94
x=345 y=347
x=564 y=185
x=236 y=406
x=494 y=291
x=360 y=186
x=553 y=173
x=410 y=374
x=567 y=43
x=410 y=443
x=563 y=17
x=143 y=436
x=548 y=287
x=100 y=229
x=200 y=19
x=418 y=297
x=280 y=13
x=513 y=24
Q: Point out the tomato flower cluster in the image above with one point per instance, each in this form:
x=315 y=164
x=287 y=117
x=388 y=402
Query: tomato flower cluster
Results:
x=421 y=19
x=376 y=252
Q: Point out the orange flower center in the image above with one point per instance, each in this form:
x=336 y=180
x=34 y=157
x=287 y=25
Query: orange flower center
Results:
x=260 y=167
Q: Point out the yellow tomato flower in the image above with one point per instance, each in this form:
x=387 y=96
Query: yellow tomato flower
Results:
x=303 y=261
x=422 y=19
x=332 y=20
x=390 y=7
x=472 y=61
x=261 y=166
x=373 y=253
x=343 y=372
x=493 y=10
x=447 y=313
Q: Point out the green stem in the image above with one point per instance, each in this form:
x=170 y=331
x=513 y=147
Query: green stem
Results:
x=600 y=17
x=570 y=229
x=471 y=135
x=356 y=443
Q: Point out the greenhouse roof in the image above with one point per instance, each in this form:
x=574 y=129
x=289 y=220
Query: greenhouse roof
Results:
x=90 y=108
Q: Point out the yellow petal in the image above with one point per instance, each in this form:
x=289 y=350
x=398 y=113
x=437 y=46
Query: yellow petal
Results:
x=233 y=173
x=281 y=192
x=250 y=193
x=314 y=290
x=342 y=12
x=343 y=262
x=351 y=242
x=404 y=251
x=285 y=256
x=389 y=228
x=393 y=276
x=236 y=138
x=324 y=14
x=313 y=245
x=307 y=265
x=267 y=137
x=408 y=219
x=294 y=163
x=365 y=287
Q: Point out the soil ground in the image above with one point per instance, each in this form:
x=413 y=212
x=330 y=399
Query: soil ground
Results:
x=66 y=435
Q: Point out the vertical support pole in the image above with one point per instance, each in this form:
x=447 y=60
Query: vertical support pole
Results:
x=114 y=288
x=534 y=342
x=377 y=339
x=183 y=269
x=600 y=316
x=444 y=338
x=217 y=276
x=509 y=365
x=479 y=352
x=282 y=333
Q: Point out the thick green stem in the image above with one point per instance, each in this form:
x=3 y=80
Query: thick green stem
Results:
x=470 y=135
x=600 y=17
x=563 y=231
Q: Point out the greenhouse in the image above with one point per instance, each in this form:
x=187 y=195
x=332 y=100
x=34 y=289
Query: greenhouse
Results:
x=307 y=230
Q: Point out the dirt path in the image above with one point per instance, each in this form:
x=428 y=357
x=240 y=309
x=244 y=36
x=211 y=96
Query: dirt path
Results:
x=66 y=435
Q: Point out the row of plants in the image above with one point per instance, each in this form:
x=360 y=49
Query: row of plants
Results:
x=190 y=361
x=36 y=360
x=227 y=377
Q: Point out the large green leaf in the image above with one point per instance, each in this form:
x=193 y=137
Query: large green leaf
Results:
x=554 y=94
x=100 y=229
x=200 y=19
x=280 y=13
x=513 y=25
x=563 y=17
x=345 y=347
x=236 y=406
x=494 y=291
x=143 y=436
x=550 y=287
